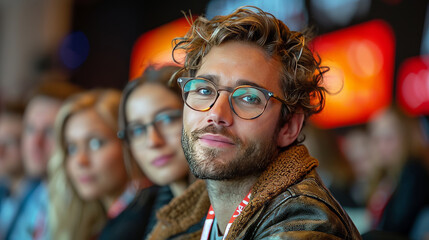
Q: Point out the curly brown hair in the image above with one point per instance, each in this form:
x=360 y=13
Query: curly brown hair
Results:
x=301 y=74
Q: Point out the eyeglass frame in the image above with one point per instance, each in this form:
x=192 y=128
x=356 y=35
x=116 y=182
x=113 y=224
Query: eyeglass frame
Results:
x=268 y=94
x=122 y=134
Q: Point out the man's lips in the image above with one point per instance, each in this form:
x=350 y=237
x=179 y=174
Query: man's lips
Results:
x=215 y=140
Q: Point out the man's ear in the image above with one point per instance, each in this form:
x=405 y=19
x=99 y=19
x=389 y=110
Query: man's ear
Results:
x=289 y=132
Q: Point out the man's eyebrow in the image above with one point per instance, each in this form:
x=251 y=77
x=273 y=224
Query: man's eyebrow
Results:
x=240 y=82
x=211 y=77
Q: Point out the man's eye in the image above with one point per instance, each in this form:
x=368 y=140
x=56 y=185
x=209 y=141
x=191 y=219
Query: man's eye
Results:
x=95 y=144
x=251 y=99
x=205 y=91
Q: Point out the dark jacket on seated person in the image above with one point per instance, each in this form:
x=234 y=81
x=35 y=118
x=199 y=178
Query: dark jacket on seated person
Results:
x=133 y=221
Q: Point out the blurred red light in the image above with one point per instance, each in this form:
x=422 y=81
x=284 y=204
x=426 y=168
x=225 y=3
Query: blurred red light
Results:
x=413 y=85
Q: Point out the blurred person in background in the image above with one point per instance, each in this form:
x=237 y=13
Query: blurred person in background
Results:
x=38 y=144
x=407 y=210
x=151 y=123
x=354 y=142
x=392 y=145
x=92 y=194
x=12 y=178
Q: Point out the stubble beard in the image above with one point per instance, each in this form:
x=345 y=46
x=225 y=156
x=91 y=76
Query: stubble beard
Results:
x=207 y=163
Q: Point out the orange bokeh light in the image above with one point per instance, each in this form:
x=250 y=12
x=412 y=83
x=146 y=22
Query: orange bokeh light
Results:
x=361 y=59
x=155 y=47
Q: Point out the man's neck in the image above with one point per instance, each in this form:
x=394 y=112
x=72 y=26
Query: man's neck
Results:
x=225 y=196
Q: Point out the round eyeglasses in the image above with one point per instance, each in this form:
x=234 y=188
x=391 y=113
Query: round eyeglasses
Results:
x=247 y=102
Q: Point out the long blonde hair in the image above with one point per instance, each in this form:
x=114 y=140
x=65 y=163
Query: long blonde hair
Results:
x=71 y=217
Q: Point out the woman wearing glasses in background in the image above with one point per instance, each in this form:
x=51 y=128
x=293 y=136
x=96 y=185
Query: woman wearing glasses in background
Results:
x=92 y=195
x=151 y=126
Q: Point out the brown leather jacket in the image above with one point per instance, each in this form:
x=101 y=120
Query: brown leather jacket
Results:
x=305 y=210
x=289 y=201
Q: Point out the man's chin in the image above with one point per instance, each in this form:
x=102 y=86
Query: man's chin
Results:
x=214 y=177
x=220 y=155
x=215 y=171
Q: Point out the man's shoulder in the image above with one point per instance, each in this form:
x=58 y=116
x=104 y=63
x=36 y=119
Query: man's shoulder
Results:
x=311 y=186
x=306 y=206
x=310 y=192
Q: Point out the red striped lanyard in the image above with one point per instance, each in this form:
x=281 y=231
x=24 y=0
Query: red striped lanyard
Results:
x=208 y=224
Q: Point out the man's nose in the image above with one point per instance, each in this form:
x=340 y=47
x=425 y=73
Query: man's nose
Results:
x=221 y=113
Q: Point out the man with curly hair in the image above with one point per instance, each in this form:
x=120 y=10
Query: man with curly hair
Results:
x=252 y=84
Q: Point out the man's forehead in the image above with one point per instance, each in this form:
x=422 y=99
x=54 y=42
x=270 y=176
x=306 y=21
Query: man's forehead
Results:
x=238 y=63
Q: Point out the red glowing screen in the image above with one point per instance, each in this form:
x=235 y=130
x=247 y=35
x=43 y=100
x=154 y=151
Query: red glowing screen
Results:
x=413 y=85
x=361 y=61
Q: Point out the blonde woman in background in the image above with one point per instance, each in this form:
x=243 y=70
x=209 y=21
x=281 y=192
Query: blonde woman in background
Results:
x=89 y=185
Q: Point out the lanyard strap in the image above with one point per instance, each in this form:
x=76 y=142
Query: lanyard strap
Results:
x=122 y=203
x=208 y=224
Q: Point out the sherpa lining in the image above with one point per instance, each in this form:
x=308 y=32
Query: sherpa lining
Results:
x=182 y=212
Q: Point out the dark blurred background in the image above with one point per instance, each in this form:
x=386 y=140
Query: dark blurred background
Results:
x=32 y=31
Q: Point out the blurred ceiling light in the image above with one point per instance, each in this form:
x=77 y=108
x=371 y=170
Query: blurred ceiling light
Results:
x=331 y=13
x=292 y=12
x=361 y=59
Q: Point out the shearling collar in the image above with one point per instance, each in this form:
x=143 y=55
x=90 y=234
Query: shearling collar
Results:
x=290 y=167
x=182 y=212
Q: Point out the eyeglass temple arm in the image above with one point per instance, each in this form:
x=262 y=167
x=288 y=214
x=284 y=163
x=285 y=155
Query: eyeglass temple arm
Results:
x=278 y=98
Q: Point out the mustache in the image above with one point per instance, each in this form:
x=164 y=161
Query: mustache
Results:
x=215 y=130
